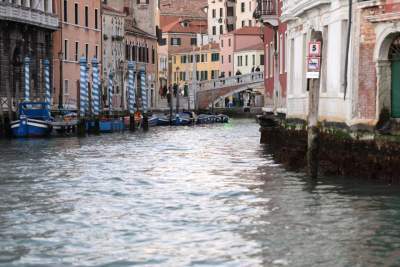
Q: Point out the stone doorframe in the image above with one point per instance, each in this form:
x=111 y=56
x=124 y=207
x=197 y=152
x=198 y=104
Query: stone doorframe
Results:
x=386 y=33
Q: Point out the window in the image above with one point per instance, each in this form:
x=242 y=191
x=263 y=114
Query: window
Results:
x=96 y=18
x=76 y=51
x=214 y=30
x=197 y=58
x=176 y=41
x=250 y=23
x=153 y=56
x=246 y=60
x=183 y=59
x=87 y=51
x=222 y=43
x=262 y=60
x=221 y=29
x=214 y=13
x=229 y=11
x=97 y=51
x=229 y=59
x=66 y=89
x=86 y=16
x=65 y=49
x=243 y=23
x=230 y=73
x=163 y=41
x=240 y=61
x=242 y=7
x=229 y=42
x=214 y=74
x=254 y=60
x=202 y=58
x=65 y=11
x=221 y=12
x=76 y=14
x=214 y=57
x=193 y=41
x=222 y=59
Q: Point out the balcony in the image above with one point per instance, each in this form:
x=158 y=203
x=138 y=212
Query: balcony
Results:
x=20 y=14
x=267 y=12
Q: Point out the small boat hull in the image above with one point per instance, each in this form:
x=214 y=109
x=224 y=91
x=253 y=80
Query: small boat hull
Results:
x=107 y=126
x=30 y=128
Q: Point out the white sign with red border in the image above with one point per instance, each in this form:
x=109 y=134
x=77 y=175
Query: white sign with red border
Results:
x=314 y=49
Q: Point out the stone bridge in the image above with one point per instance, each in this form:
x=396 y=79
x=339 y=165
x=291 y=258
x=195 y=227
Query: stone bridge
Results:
x=213 y=91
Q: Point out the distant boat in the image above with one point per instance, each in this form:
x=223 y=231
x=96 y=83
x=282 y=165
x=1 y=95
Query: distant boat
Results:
x=34 y=120
x=208 y=119
x=153 y=121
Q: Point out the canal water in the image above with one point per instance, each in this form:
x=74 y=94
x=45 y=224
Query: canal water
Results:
x=190 y=196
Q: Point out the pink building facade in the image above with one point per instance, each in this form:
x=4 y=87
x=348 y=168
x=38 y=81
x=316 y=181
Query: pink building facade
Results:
x=235 y=41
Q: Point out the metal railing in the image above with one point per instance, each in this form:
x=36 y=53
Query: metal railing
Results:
x=265 y=8
x=255 y=77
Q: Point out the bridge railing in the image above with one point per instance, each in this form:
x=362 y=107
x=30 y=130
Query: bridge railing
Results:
x=254 y=77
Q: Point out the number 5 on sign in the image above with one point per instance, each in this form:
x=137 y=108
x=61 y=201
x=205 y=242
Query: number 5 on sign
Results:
x=314 y=49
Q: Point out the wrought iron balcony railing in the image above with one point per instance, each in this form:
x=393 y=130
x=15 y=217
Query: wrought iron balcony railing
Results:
x=265 y=8
x=267 y=12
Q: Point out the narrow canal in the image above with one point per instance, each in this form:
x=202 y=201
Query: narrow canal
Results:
x=203 y=196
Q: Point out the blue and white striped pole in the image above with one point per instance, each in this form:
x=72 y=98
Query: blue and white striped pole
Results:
x=87 y=89
x=144 y=89
x=46 y=64
x=96 y=88
x=83 y=85
x=131 y=87
x=110 y=93
x=27 y=62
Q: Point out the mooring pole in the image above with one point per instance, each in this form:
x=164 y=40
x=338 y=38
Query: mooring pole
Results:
x=82 y=98
x=96 y=95
x=313 y=74
x=144 y=98
x=131 y=94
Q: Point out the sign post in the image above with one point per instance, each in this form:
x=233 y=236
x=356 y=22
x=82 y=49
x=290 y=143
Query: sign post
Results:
x=313 y=74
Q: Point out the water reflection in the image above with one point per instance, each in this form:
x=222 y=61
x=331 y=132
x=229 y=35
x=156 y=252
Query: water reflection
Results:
x=184 y=197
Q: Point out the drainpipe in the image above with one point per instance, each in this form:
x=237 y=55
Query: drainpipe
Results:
x=346 y=66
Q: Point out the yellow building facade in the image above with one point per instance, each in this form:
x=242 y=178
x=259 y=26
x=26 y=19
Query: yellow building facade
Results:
x=202 y=62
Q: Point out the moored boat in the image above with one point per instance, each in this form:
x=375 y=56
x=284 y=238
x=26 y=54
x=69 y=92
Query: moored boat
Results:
x=34 y=120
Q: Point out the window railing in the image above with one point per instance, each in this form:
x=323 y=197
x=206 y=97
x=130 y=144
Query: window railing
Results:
x=265 y=8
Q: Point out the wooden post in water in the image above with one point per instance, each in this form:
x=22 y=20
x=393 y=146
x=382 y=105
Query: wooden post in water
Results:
x=313 y=74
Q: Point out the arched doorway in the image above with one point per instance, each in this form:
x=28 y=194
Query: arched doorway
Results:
x=394 y=57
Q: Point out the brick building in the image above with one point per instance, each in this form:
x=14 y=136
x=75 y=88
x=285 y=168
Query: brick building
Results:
x=25 y=31
x=377 y=60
